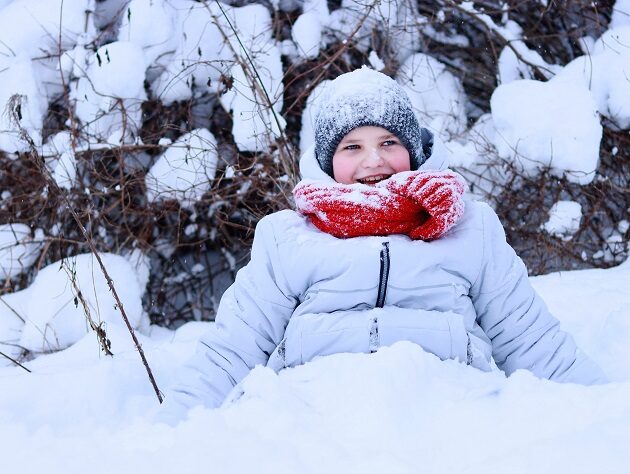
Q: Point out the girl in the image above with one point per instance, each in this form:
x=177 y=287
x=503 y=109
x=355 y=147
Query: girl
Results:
x=382 y=248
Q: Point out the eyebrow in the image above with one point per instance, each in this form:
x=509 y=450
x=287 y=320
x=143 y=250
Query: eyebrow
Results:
x=382 y=137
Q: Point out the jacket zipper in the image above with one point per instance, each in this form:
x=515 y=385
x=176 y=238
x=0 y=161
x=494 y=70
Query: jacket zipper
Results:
x=384 y=275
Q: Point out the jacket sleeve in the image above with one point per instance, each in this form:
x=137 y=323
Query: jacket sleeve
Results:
x=250 y=323
x=524 y=334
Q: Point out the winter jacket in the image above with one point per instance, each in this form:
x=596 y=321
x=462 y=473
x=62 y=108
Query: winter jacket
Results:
x=305 y=294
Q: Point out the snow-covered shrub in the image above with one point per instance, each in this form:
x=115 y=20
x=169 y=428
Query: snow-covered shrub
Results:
x=185 y=171
x=436 y=95
x=30 y=37
x=564 y=219
x=53 y=311
x=18 y=249
x=172 y=126
x=109 y=91
x=532 y=127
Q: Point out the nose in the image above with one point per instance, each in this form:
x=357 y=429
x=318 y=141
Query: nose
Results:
x=373 y=158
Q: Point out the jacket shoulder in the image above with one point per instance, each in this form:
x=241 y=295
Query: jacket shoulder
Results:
x=286 y=225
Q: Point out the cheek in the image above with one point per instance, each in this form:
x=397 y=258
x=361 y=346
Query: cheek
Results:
x=343 y=169
x=400 y=161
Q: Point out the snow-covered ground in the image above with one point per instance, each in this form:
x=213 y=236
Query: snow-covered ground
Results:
x=399 y=410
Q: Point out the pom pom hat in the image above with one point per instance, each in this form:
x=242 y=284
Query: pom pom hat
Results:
x=366 y=97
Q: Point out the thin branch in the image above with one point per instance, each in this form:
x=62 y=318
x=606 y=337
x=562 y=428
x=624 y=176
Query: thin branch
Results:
x=14 y=361
x=14 y=103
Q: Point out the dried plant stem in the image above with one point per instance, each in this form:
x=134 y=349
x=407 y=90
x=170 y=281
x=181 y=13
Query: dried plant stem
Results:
x=14 y=361
x=13 y=107
x=101 y=335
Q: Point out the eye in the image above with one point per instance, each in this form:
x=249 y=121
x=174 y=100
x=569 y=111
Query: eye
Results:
x=390 y=142
x=351 y=147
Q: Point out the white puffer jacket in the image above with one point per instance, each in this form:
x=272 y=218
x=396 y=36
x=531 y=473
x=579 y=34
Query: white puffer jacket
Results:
x=306 y=294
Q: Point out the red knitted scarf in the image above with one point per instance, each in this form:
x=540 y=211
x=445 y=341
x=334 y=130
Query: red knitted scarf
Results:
x=421 y=204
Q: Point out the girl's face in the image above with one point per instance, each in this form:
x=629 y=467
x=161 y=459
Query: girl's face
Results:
x=368 y=155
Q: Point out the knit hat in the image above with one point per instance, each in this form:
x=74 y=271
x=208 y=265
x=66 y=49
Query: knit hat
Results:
x=366 y=97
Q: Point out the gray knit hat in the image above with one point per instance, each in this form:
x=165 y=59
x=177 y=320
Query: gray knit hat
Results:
x=366 y=97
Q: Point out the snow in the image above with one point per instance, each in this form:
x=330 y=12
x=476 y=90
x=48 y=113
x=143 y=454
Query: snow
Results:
x=437 y=95
x=605 y=72
x=194 y=56
x=185 y=171
x=593 y=306
x=18 y=249
x=396 y=19
x=28 y=33
x=255 y=97
x=532 y=127
x=55 y=320
x=109 y=92
x=375 y=61
x=11 y=324
x=398 y=410
x=426 y=414
x=421 y=413
x=621 y=14
x=564 y=219
x=62 y=162
x=150 y=25
x=307 y=34
x=205 y=46
x=317 y=7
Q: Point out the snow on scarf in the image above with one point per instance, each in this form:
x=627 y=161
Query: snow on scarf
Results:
x=421 y=204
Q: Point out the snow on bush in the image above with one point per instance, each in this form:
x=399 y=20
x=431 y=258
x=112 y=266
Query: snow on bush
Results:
x=185 y=171
x=209 y=47
x=395 y=19
x=437 y=95
x=307 y=35
x=548 y=124
x=18 y=249
x=318 y=7
x=61 y=160
x=605 y=71
x=193 y=59
x=154 y=27
x=29 y=36
x=54 y=316
x=18 y=78
x=255 y=97
x=109 y=92
x=564 y=219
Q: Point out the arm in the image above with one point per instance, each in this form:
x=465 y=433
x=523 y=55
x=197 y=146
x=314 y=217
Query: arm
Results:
x=524 y=334
x=250 y=323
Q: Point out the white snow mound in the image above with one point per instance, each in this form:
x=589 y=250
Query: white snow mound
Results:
x=18 y=249
x=55 y=320
x=564 y=219
x=185 y=171
x=548 y=124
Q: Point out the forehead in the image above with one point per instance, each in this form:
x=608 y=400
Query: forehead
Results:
x=367 y=132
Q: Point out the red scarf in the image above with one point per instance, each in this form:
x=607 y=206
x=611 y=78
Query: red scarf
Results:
x=421 y=204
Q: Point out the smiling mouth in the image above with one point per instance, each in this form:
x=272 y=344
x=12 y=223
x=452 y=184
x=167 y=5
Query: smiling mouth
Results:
x=373 y=179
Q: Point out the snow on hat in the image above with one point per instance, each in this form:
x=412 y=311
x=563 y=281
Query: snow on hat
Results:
x=366 y=97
